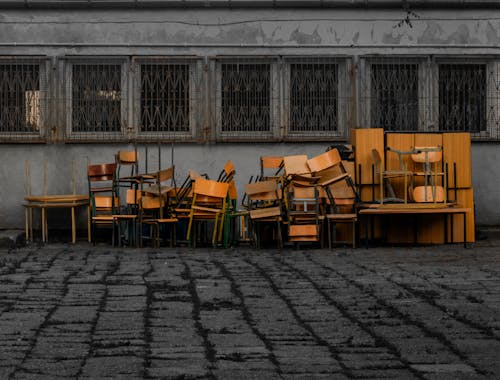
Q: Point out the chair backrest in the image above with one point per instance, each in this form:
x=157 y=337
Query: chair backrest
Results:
x=104 y=202
x=210 y=188
x=324 y=161
x=427 y=155
x=101 y=172
x=133 y=197
x=268 y=163
x=263 y=191
x=296 y=165
x=428 y=194
x=127 y=157
x=151 y=202
x=271 y=162
x=227 y=173
x=165 y=174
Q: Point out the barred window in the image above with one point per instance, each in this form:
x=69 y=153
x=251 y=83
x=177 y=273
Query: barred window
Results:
x=394 y=103
x=313 y=102
x=20 y=98
x=245 y=97
x=462 y=97
x=96 y=95
x=165 y=98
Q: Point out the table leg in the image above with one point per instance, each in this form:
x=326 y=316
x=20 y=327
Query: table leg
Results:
x=43 y=224
x=26 y=229
x=73 y=226
x=31 y=224
x=88 y=225
x=465 y=230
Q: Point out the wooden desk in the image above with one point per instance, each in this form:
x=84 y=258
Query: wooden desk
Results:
x=372 y=212
x=44 y=202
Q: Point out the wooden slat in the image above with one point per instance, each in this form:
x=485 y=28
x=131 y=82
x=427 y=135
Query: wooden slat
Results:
x=303 y=230
x=364 y=140
x=265 y=212
x=456 y=149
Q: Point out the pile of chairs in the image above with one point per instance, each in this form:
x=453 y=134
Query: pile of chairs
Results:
x=127 y=201
x=300 y=199
x=293 y=200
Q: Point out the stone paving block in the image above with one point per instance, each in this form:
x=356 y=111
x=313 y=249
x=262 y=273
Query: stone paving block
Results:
x=112 y=366
x=183 y=313
x=74 y=314
x=177 y=368
x=59 y=367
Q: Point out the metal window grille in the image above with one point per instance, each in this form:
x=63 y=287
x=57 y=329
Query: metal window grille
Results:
x=462 y=97
x=22 y=93
x=245 y=98
x=96 y=98
x=394 y=96
x=165 y=98
x=313 y=97
x=318 y=101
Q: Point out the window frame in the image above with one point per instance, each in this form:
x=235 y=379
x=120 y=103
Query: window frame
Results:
x=492 y=65
x=194 y=64
x=423 y=88
x=44 y=106
x=344 y=92
x=274 y=100
x=93 y=136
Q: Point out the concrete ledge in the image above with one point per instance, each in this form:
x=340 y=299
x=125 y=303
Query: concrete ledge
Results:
x=12 y=239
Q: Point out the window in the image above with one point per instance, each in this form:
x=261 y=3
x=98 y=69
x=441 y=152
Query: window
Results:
x=394 y=96
x=313 y=98
x=20 y=99
x=245 y=100
x=96 y=99
x=167 y=99
x=164 y=98
x=462 y=97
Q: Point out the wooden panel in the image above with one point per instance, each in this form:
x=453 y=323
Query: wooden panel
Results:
x=456 y=149
x=364 y=140
x=465 y=198
x=303 y=230
x=428 y=139
x=368 y=193
x=430 y=229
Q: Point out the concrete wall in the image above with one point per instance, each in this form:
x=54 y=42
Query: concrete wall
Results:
x=208 y=32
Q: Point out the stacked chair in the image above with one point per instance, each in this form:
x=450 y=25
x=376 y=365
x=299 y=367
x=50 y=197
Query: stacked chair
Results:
x=340 y=191
x=103 y=197
x=302 y=201
x=293 y=199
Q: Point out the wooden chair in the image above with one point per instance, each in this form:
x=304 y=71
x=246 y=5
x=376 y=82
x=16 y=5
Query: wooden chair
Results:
x=340 y=191
x=427 y=160
x=127 y=158
x=270 y=163
x=227 y=173
x=305 y=220
x=103 y=197
x=264 y=207
x=209 y=204
x=384 y=175
x=153 y=212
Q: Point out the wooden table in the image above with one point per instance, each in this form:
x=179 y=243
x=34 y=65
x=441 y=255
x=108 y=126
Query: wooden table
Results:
x=372 y=212
x=44 y=202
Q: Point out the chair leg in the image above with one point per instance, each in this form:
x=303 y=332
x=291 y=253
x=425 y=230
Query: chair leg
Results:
x=329 y=234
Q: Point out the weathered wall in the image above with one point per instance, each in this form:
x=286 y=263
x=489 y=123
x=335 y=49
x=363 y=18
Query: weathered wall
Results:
x=208 y=32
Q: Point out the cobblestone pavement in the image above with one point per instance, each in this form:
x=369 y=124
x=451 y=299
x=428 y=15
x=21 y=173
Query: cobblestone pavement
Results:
x=96 y=312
